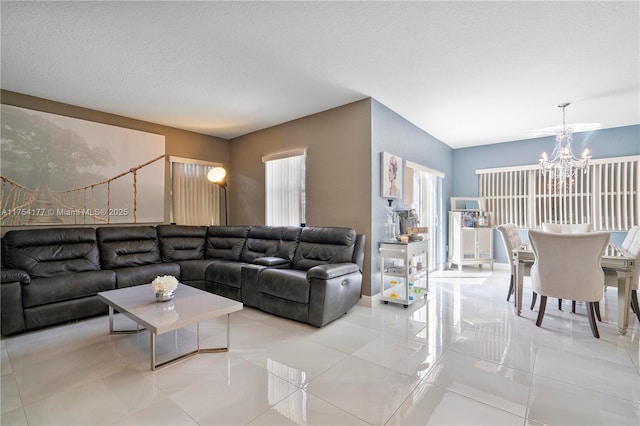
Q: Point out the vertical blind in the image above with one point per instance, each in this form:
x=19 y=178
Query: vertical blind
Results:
x=195 y=200
x=607 y=195
x=285 y=189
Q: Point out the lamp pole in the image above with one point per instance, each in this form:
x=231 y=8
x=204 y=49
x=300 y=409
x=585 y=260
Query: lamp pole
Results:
x=217 y=176
x=223 y=185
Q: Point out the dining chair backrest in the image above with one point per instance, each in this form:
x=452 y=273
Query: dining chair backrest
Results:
x=511 y=240
x=566 y=228
x=567 y=266
x=631 y=244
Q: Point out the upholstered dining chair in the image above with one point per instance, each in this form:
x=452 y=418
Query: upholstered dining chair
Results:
x=631 y=244
x=567 y=266
x=566 y=228
x=511 y=240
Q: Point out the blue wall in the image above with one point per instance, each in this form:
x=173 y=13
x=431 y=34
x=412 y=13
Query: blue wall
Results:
x=606 y=143
x=393 y=134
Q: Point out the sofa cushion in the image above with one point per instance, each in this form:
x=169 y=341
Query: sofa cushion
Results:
x=144 y=274
x=180 y=242
x=225 y=242
x=50 y=252
x=68 y=310
x=323 y=245
x=225 y=272
x=127 y=246
x=288 y=284
x=42 y=291
x=194 y=270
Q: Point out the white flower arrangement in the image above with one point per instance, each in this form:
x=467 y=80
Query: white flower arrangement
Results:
x=164 y=284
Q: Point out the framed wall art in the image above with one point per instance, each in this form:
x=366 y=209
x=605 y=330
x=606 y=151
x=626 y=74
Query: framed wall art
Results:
x=57 y=170
x=391 y=173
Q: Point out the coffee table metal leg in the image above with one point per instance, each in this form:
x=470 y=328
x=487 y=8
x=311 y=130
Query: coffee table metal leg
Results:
x=153 y=351
x=110 y=319
x=224 y=349
x=111 y=329
x=198 y=350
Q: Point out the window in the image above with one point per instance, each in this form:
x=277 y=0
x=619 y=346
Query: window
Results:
x=285 y=188
x=195 y=200
x=607 y=195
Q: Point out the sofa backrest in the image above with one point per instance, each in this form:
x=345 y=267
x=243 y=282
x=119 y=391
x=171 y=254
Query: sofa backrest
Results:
x=261 y=241
x=126 y=246
x=289 y=243
x=267 y=241
x=52 y=251
x=225 y=242
x=323 y=245
x=181 y=242
x=358 y=251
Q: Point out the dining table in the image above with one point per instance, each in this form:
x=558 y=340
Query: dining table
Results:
x=615 y=259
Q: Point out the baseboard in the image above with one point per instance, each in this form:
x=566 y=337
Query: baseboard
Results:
x=369 y=301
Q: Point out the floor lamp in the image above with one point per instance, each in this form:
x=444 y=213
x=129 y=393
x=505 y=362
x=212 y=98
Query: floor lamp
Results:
x=217 y=175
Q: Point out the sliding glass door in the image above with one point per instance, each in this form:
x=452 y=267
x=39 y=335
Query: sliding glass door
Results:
x=424 y=194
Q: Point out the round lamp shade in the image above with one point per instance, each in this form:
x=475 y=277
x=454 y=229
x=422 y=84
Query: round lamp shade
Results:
x=216 y=175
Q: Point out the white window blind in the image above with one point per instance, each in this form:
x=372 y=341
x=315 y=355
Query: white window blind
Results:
x=195 y=200
x=607 y=195
x=285 y=188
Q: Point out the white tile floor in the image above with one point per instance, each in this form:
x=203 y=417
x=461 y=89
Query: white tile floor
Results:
x=459 y=357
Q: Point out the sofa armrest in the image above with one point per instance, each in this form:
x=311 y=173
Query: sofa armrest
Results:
x=269 y=261
x=14 y=275
x=11 y=309
x=331 y=270
x=333 y=290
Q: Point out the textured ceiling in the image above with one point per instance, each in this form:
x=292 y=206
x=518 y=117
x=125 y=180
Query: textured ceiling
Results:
x=469 y=73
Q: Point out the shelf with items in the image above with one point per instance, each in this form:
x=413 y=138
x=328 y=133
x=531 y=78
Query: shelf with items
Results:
x=399 y=294
x=470 y=238
x=475 y=219
x=404 y=271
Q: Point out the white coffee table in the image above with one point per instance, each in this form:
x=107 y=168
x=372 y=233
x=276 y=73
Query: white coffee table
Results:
x=189 y=306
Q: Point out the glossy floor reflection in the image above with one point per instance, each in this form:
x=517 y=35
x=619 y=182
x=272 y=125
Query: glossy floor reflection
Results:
x=460 y=356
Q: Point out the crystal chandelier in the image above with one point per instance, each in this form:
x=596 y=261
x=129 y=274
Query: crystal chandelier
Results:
x=564 y=163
